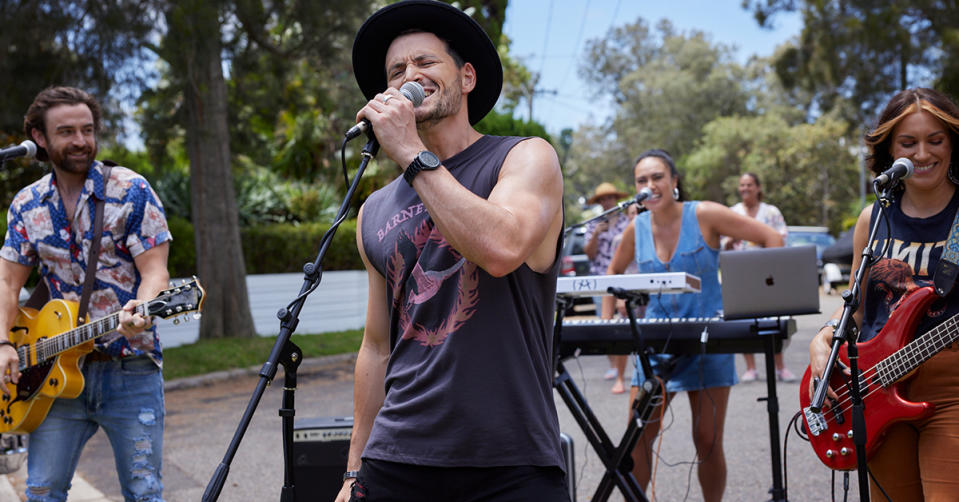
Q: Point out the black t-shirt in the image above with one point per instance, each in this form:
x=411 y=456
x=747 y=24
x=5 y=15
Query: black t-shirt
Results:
x=909 y=263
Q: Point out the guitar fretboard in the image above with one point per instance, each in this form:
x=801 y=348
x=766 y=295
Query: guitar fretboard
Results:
x=918 y=351
x=49 y=348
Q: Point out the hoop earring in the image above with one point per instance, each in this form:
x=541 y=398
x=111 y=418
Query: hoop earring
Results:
x=675 y=193
x=951 y=175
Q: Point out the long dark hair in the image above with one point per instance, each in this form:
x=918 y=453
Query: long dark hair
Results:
x=665 y=157
x=905 y=102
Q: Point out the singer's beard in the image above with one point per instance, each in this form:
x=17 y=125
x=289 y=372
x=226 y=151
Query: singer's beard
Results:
x=447 y=104
x=61 y=158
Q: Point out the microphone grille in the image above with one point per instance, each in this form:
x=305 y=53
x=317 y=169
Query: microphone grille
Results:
x=902 y=161
x=414 y=92
x=31 y=148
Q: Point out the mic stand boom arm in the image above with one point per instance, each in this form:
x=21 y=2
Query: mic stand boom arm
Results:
x=618 y=207
x=288 y=354
x=846 y=332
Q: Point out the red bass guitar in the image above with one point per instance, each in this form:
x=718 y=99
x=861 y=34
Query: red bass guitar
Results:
x=884 y=362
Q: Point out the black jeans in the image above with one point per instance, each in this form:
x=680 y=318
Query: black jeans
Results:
x=382 y=481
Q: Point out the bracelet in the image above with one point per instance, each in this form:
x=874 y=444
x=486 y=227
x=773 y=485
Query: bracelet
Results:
x=832 y=323
x=350 y=475
x=8 y=342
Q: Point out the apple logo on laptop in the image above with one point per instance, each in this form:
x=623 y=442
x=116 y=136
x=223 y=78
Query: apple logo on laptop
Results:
x=770 y=281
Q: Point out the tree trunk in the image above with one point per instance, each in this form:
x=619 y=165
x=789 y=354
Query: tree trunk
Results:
x=219 y=254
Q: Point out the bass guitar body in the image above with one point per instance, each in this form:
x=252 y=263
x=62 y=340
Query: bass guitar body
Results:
x=884 y=362
x=29 y=401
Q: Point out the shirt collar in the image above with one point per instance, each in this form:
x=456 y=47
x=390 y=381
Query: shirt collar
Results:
x=94 y=180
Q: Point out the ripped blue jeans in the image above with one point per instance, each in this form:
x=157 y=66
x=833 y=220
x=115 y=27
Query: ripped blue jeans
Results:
x=125 y=397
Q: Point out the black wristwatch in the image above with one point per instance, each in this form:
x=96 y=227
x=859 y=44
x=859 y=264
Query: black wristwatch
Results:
x=424 y=161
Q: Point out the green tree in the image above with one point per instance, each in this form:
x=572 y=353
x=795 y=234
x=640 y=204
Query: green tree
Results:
x=852 y=55
x=667 y=85
x=807 y=170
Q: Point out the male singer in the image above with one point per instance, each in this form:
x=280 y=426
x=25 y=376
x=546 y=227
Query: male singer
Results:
x=453 y=397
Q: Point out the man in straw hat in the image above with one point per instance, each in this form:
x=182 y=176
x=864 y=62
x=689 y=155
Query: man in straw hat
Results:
x=452 y=395
x=598 y=246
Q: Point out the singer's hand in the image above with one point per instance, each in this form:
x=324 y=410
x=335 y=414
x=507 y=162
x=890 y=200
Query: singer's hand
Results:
x=601 y=227
x=394 y=125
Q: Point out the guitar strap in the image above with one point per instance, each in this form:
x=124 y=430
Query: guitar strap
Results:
x=948 y=268
x=94 y=247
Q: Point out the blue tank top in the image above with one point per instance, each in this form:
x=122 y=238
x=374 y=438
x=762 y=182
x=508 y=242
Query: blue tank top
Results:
x=693 y=256
x=909 y=263
x=469 y=379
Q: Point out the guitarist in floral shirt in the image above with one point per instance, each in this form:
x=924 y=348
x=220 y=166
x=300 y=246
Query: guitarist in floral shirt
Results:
x=50 y=227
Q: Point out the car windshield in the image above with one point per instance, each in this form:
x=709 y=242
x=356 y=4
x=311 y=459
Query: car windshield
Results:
x=803 y=238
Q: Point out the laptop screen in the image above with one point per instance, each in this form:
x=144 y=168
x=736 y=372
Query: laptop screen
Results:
x=769 y=282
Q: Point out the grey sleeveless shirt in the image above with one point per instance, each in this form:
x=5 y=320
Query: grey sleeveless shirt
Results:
x=469 y=379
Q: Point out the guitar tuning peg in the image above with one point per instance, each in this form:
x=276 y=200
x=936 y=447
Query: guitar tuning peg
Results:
x=176 y=321
x=197 y=315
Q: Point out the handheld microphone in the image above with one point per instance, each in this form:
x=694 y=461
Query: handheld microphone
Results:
x=412 y=91
x=26 y=149
x=901 y=169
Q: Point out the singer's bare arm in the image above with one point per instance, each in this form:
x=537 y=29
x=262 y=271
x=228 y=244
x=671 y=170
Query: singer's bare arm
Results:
x=12 y=277
x=821 y=344
x=519 y=223
x=370 y=371
x=717 y=220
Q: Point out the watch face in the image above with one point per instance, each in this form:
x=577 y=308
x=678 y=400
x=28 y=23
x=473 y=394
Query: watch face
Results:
x=428 y=159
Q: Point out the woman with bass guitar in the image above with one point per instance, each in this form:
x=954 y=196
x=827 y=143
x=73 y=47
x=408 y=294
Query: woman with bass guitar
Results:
x=911 y=457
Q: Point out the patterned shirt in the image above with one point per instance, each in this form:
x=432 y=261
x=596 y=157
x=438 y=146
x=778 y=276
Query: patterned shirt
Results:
x=605 y=246
x=768 y=214
x=38 y=233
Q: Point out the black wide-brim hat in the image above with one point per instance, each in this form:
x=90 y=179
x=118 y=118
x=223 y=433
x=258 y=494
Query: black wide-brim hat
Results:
x=454 y=26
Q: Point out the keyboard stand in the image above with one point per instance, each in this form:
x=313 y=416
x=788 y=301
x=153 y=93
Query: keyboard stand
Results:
x=778 y=492
x=617 y=459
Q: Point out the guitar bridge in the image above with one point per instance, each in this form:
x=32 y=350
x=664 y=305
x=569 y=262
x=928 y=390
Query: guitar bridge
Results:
x=815 y=421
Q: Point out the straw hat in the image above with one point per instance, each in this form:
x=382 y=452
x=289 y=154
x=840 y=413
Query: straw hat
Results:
x=605 y=189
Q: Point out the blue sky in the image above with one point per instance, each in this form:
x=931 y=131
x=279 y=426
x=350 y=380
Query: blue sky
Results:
x=549 y=36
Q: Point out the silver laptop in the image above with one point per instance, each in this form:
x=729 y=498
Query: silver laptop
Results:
x=769 y=282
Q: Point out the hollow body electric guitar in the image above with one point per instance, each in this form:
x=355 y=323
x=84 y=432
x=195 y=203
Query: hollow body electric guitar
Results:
x=50 y=345
x=884 y=362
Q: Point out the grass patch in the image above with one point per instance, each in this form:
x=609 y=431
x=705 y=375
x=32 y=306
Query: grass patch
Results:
x=207 y=356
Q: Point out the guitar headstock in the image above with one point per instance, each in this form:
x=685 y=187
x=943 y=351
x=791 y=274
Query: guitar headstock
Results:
x=178 y=300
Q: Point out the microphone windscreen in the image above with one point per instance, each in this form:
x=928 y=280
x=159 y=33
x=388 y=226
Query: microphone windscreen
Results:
x=414 y=92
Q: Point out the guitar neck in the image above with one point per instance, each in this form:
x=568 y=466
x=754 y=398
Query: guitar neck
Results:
x=52 y=346
x=905 y=360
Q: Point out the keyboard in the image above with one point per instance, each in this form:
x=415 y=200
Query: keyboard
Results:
x=593 y=285
x=676 y=336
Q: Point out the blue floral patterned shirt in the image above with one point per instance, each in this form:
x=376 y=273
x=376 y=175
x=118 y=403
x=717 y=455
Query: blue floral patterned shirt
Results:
x=38 y=233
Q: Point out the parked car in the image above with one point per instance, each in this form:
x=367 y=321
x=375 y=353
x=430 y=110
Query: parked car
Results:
x=819 y=237
x=575 y=262
x=837 y=263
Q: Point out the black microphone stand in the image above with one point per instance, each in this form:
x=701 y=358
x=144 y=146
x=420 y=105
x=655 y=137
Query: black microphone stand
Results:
x=618 y=207
x=846 y=332
x=288 y=354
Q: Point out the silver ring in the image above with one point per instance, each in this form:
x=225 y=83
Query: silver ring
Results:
x=387 y=98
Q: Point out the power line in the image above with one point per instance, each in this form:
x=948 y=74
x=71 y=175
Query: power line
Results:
x=549 y=21
x=579 y=39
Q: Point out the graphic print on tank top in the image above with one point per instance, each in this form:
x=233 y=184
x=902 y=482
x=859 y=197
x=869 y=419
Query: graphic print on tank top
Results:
x=441 y=295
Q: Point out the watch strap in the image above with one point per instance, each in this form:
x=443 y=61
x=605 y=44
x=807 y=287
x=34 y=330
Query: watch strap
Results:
x=350 y=475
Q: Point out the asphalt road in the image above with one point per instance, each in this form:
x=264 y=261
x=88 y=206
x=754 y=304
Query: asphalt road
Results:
x=201 y=422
